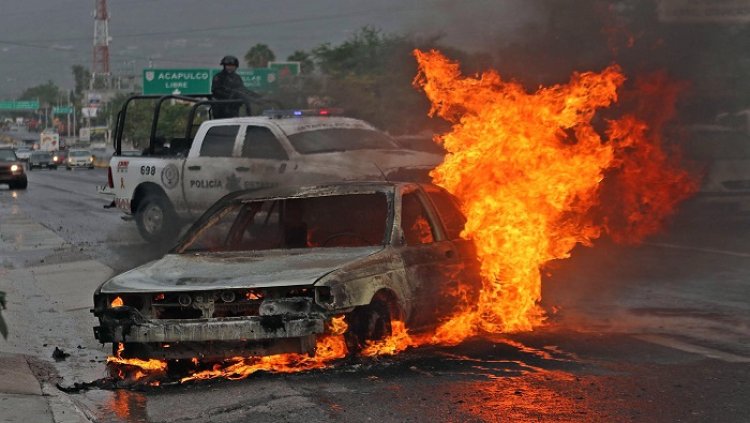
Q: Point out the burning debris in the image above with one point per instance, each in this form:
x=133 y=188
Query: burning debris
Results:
x=537 y=174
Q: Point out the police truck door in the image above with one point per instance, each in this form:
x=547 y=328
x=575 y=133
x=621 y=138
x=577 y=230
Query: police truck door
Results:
x=209 y=169
x=264 y=161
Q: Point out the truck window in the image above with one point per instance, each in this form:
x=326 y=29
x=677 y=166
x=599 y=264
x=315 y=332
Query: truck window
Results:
x=219 y=141
x=329 y=140
x=261 y=143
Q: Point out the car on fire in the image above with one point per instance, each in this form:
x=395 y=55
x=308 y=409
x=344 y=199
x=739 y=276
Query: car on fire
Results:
x=265 y=271
x=11 y=170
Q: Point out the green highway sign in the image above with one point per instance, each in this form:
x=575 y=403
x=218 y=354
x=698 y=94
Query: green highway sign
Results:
x=177 y=81
x=198 y=81
x=62 y=110
x=259 y=79
x=19 y=105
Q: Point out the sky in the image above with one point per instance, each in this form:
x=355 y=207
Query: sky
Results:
x=41 y=40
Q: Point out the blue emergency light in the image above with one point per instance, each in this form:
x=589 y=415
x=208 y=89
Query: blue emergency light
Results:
x=286 y=113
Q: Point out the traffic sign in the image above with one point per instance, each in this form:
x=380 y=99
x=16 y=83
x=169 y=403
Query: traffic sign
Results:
x=62 y=110
x=198 y=81
x=19 y=105
x=285 y=69
x=259 y=79
x=177 y=81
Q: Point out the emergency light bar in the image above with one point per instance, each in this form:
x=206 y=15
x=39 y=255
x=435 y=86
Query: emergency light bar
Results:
x=278 y=114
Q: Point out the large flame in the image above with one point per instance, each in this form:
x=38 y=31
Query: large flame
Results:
x=530 y=170
x=537 y=174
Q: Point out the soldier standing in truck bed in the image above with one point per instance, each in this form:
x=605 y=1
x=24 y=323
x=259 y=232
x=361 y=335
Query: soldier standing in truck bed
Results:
x=227 y=85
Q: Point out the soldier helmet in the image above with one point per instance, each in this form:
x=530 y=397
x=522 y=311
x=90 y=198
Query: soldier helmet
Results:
x=230 y=60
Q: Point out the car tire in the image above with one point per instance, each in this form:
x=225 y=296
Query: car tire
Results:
x=156 y=219
x=68 y=168
x=368 y=323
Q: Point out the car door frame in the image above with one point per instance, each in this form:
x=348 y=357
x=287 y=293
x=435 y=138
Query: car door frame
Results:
x=252 y=165
x=200 y=198
x=435 y=261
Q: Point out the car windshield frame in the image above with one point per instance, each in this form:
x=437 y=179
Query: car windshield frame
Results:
x=5 y=156
x=337 y=139
x=216 y=217
x=41 y=154
x=81 y=153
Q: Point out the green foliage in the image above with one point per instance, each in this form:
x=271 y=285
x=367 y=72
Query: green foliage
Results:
x=48 y=93
x=370 y=77
x=139 y=118
x=258 y=56
x=306 y=63
x=82 y=77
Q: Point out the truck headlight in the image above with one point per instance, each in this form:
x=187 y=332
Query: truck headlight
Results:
x=15 y=168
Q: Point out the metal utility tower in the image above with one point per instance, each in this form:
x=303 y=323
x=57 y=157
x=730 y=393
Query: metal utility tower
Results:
x=100 y=63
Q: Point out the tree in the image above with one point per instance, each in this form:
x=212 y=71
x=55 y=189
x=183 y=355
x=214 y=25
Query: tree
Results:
x=306 y=63
x=48 y=93
x=82 y=77
x=258 y=56
x=370 y=76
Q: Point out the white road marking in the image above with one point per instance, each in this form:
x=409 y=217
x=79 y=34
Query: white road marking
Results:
x=698 y=249
x=692 y=348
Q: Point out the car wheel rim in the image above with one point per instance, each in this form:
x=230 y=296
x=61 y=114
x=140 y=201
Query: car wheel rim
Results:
x=153 y=217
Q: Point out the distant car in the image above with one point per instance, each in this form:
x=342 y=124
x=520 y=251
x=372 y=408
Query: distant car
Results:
x=80 y=158
x=23 y=154
x=11 y=170
x=60 y=157
x=41 y=159
x=264 y=271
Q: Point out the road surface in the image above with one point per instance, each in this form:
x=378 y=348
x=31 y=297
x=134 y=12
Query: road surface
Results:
x=651 y=333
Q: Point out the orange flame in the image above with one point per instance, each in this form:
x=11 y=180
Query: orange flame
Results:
x=529 y=170
x=117 y=302
x=141 y=368
x=329 y=347
x=394 y=344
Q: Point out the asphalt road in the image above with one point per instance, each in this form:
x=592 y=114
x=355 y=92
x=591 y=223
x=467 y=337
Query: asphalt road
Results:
x=653 y=333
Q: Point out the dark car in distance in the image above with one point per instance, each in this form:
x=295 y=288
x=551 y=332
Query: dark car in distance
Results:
x=11 y=170
x=264 y=271
x=42 y=159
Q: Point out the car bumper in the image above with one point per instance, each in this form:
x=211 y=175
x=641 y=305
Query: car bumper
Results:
x=87 y=164
x=255 y=328
x=4 y=179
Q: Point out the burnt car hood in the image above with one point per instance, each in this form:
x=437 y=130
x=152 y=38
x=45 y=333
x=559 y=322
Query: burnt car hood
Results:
x=273 y=268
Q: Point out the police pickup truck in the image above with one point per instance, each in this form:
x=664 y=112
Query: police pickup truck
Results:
x=173 y=180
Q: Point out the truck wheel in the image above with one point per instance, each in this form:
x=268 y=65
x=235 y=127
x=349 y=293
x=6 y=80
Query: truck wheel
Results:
x=156 y=219
x=368 y=323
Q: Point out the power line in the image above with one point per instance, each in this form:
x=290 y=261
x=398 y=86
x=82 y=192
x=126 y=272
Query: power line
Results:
x=242 y=26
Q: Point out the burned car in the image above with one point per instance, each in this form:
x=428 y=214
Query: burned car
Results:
x=264 y=271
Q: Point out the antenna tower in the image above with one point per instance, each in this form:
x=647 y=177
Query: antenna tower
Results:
x=100 y=62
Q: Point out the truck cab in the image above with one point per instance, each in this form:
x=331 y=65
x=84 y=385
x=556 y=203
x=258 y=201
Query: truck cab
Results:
x=174 y=177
